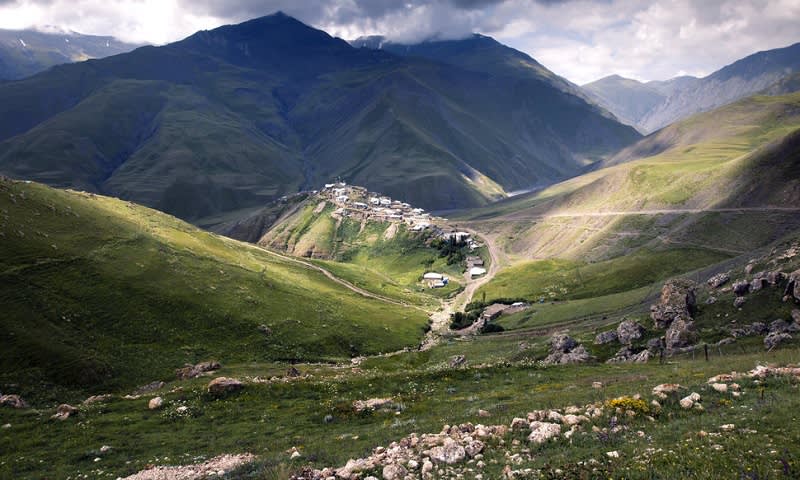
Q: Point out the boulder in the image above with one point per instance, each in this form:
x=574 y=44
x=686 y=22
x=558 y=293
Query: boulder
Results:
x=543 y=431
x=155 y=403
x=605 y=337
x=628 y=355
x=394 y=471
x=741 y=288
x=449 y=453
x=681 y=333
x=738 y=302
x=666 y=389
x=13 y=401
x=655 y=345
x=718 y=280
x=98 y=399
x=576 y=355
x=373 y=404
x=149 y=388
x=628 y=331
x=562 y=343
x=193 y=371
x=457 y=361
x=690 y=401
x=711 y=300
x=474 y=448
x=292 y=372
x=222 y=386
x=796 y=316
x=758 y=282
x=778 y=326
x=677 y=300
x=774 y=278
x=758 y=328
x=774 y=339
x=64 y=411
x=793 y=286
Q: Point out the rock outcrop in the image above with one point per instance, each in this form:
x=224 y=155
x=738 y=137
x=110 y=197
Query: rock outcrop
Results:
x=193 y=371
x=628 y=331
x=678 y=299
x=628 y=355
x=565 y=349
x=681 y=333
x=605 y=337
x=222 y=386
x=13 y=401
x=719 y=280
x=774 y=339
x=64 y=411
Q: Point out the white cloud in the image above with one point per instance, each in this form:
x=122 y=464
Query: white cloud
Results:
x=580 y=39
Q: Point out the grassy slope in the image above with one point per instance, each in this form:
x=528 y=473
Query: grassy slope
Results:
x=99 y=293
x=389 y=265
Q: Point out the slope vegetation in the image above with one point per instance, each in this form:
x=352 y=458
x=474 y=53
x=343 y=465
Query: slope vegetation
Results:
x=100 y=293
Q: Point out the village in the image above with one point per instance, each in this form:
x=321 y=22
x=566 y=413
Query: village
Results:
x=358 y=203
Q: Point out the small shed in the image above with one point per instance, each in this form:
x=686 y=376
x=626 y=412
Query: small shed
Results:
x=433 y=276
x=493 y=311
x=477 y=271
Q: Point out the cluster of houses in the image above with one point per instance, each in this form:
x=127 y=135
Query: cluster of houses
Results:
x=462 y=237
x=359 y=203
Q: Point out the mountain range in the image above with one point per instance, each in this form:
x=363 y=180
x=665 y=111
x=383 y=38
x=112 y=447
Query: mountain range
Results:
x=229 y=119
x=26 y=52
x=654 y=105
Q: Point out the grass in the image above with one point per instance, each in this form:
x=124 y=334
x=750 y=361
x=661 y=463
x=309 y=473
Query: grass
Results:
x=103 y=294
x=569 y=280
x=269 y=419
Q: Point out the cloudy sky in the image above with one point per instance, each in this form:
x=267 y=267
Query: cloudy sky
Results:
x=582 y=40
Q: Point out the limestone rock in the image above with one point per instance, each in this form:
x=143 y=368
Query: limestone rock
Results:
x=543 y=431
x=741 y=288
x=681 y=333
x=605 y=337
x=13 y=401
x=155 y=403
x=677 y=300
x=690 y=400
x=221 y=386
x=774 y=339
x=666 y=389
x=718 y=280
x=193 y=371
x=450 y=453
x=64 y=411
x=739 y=301
x=562 y=343
x=628 y=331
x=394 y=472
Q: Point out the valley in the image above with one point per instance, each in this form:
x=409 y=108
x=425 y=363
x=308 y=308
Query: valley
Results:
x=264 y=252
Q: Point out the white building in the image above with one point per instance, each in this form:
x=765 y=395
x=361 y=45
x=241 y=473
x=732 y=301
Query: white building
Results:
x=433 y=276
x=477 y=271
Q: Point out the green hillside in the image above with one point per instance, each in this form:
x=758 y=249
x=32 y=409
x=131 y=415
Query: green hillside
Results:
x=202 y=130
x=100 y=293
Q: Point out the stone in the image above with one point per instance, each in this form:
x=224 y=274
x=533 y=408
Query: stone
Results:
x=149 y=388
x=677 y=300
x=741 y=288
x=718 y=280
x=292 y=372
x=774 y=339
x=394 y=471
x=758 y=282
x=758 y=328
x=720 y=387
x=457 y=361
x=597 y=385
x=778 y=326
x=13 y=401
x=738 y=302
x=689 y=401
x=155 y=403
x=681 y=333
x=543 y=431
x=796 y=315
x=576 y=355
x=194 y=371
x=484 y=414
x=373 y=404
x=427 y=467
x=450 y=453
x=562 y=343
x=222 y=386
x=518 y=424
x=629 y=355
x=64 y=411
x=666 y=389
x=98 y=399
x=605 y=337
x=654 y=345
x=474 y=448
x=775 y=277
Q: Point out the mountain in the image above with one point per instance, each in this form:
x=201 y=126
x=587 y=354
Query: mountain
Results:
x=637 y=104
x=629 y=99
x=27 y=52
x=230 y=119
x=100 y=293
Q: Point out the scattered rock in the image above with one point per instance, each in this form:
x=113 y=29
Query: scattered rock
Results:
x=778 y=326
x=457 y=361
x=628 y=331
x=98 y=399
x=718 y=280
x=690 y=401
x=211 y=468
x=64 y=411
x=720 y=387
x=149 y=388
x=194 y=371
x=221 y=386
x=741 y=288
x=13 y=401
x=373 y=404
x=677 y=300
x=449 y=453
x=543 y=431
x=774 y=339
x=155 y=403
x=605 y=337
x=664 y=390
x=681 y=333
x=394 y=472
